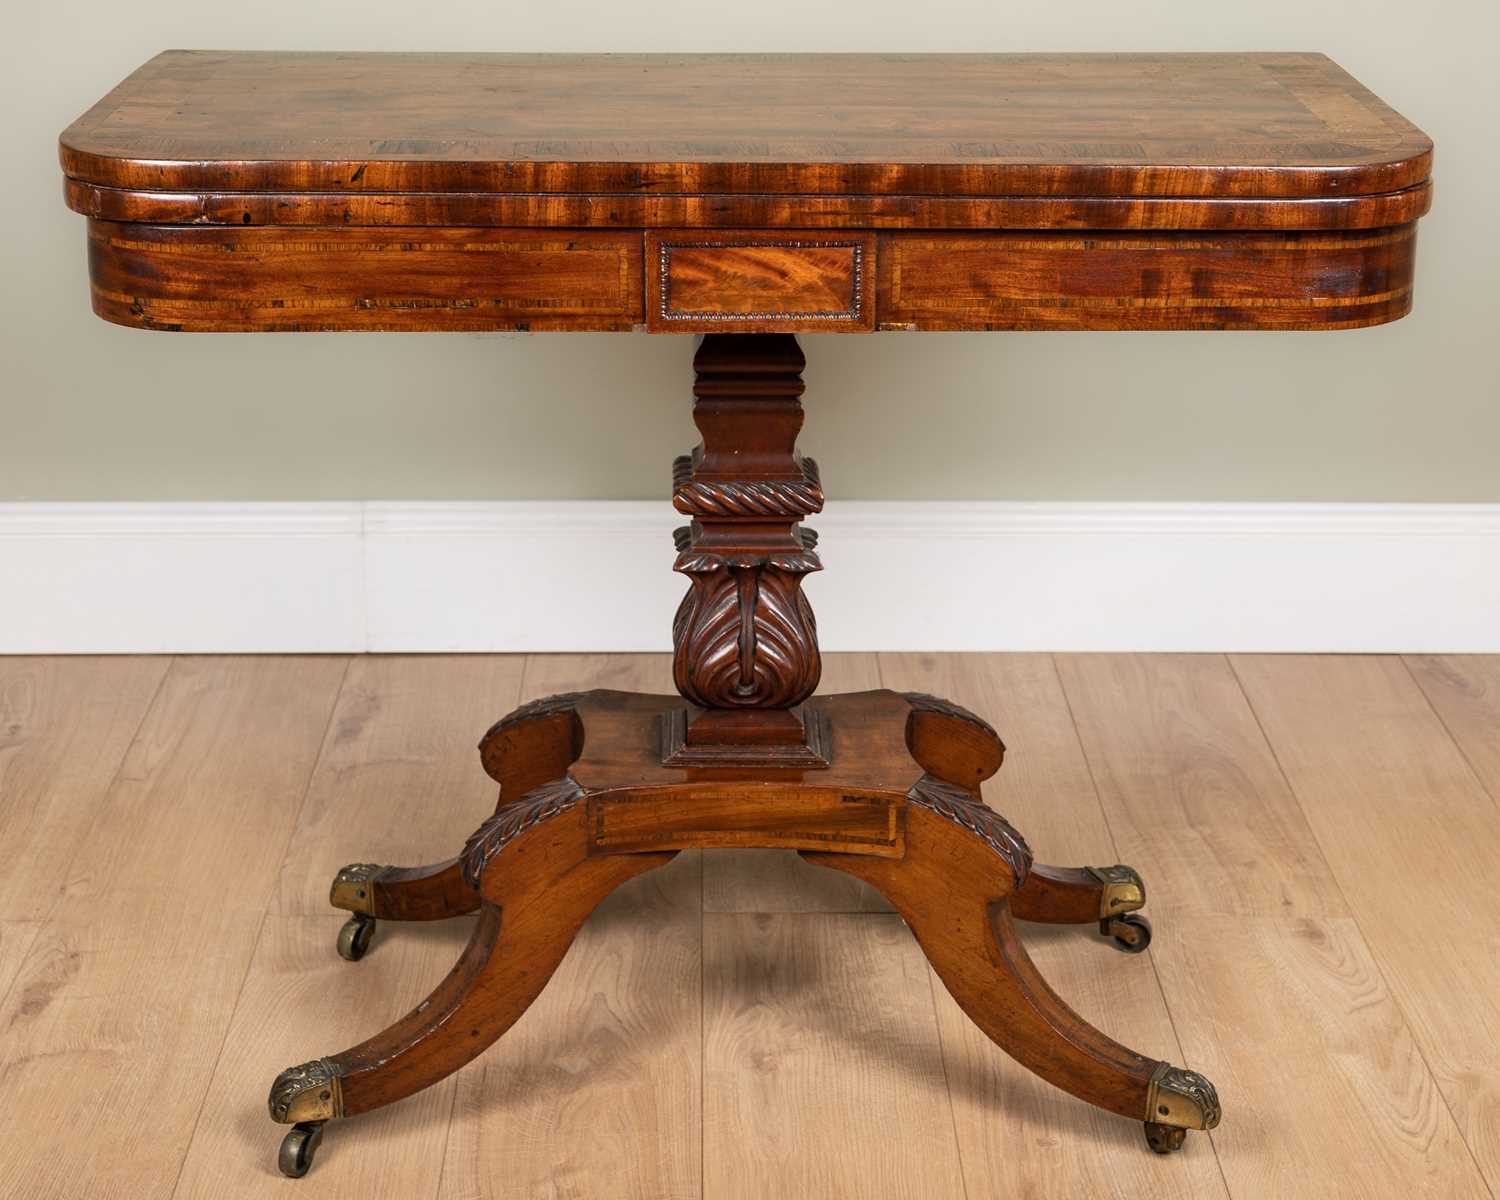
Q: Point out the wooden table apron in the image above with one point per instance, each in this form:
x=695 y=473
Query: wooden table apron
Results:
x=748 y=198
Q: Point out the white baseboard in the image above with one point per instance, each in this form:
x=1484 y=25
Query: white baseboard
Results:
x=547 y=576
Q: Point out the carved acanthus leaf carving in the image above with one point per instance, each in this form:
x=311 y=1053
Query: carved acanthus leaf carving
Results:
x=307 y=1092
x=544 y=706
x=353 y=887
x=745 y=635
x=511 y=820
x=970 y=812
x=925 y=702
x=1191 y=1099
x=358 y=873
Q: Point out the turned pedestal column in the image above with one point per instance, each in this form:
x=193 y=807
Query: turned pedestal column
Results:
x=745 y=644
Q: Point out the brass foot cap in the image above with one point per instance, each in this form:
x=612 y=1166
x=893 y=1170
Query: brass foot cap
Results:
x=353 y=888
x=1180 y=1098
x=309 y=1092
x=1123 y=890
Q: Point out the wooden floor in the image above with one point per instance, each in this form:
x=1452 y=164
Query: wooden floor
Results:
x=1320 y=838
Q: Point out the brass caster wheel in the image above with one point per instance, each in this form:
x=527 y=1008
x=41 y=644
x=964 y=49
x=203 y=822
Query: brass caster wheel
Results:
x=1164 y=1138
x=298 y=1148
x=354 y=937
x=1132 y=932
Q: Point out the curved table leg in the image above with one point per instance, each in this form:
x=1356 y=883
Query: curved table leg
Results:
x=429 y=893
x=959 y=906
x=534 y=901
x=1110 y=896
x=370 y=891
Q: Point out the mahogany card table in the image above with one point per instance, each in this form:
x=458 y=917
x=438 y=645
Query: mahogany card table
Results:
x=745 y=198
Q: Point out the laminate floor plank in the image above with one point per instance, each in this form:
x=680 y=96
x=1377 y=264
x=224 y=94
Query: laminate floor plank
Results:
x=1414 y=839
x=782 y=880
x=1192 y=792
x=65 y=725
x=1272 y=990
x=110 y=1032
x=1018 y=1134
x=1326 y=1095
x=547 y=674
x=398 y=782
x=1464 y=689
x=596 y=1091
x=823 y=1073
x=15 y=939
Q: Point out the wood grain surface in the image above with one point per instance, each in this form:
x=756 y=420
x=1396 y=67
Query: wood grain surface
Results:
x=1271 y=980
x=240 y=280
x=972 y=124
x=1413 y=838
x=15 y=941
x=596 y=210
x=121 y=1007
x=1464 y=690
x=819 y=1045
x=1141 y=281
x=1193 y=793
x=749 y=280
x=52 y=794
x=279 y=278
x=1318 y=869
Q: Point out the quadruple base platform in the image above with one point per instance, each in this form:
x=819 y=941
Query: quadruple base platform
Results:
x=586 y=804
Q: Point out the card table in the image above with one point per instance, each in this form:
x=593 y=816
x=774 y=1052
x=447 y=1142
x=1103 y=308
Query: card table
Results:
x=746 y=199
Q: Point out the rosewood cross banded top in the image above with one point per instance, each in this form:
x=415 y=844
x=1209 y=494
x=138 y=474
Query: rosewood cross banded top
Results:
x=747 y=198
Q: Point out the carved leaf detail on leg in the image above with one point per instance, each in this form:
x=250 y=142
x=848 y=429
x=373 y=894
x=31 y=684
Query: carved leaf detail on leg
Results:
x=970 y=812
x=544 y=706
x=925 y=702
x=538 y=805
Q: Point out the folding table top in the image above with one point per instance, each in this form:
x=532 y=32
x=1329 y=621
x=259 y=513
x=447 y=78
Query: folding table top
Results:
x=746 y=193
x=1125 y=125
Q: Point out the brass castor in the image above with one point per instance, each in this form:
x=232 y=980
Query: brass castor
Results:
x=298 y=1148
x=354 y=937
x=1131 y=931
x=1164 y=1138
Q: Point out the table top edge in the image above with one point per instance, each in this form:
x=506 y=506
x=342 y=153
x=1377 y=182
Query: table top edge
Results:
x=1387 y=155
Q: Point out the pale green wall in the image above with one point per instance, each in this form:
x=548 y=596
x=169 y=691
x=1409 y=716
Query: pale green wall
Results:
x=1407 y=412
